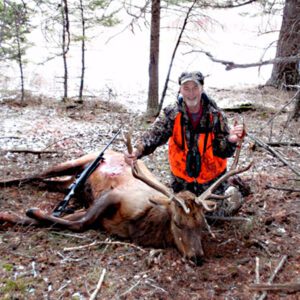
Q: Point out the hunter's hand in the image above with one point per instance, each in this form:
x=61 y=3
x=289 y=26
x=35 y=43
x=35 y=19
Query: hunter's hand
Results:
x=130 y=158
x=236 y=133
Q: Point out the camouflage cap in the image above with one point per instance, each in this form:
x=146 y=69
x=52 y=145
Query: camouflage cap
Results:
x=191 y=76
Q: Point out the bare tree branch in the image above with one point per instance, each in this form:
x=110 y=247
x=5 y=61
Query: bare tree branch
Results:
x=284 y=106
x=230 y=65
x=99 y=284
x=281 y=188
x=274 y=152
x=135 y=18
x=31 y=151
x=280 y=144
x=228 y=5
x=272 y=277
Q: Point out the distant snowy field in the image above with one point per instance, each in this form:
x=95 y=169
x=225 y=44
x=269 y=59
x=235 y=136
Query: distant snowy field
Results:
x=118 y=69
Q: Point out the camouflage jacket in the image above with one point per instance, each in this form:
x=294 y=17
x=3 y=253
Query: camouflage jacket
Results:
x=162 y=129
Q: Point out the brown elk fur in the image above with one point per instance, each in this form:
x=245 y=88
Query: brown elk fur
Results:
x=124 y=206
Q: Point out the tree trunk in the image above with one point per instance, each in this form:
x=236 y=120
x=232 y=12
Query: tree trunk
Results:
x=20 y=61
x=19 y=53
x=152 y=105
x=285 y=74
x=2 y=23
x=65 y=44
x=82 y=52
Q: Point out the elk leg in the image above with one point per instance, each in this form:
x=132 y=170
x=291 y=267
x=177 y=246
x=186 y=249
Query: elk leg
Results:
x=71 y=167
x=14 y=219
x=10 y=218
x=84 y=221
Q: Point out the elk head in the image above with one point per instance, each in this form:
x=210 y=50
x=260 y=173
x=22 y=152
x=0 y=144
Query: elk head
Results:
x=187 y=228
x=187 y=219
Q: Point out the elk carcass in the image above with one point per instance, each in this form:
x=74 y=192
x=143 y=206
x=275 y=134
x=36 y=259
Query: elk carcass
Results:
x=140 y=209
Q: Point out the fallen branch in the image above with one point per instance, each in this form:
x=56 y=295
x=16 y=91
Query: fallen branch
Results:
x=289 y=287
x=34 y=272
x=96 y=291
x=261 y=244
x=130 y=289
x=257 y=276
x=274 y=152
x=230 y=65
x=279 y=144
x=155 y=286
x=272 y=277
x=282 y=108
x=223 y=218
x=241 y=108
x=28 y=151
x=77 y=236
x=282 y=188
x=102 y=243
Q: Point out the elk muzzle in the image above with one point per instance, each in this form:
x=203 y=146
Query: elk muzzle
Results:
x=187 y=228
x=189 y=243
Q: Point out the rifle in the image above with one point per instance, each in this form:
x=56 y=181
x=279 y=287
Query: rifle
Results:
x=81 y=178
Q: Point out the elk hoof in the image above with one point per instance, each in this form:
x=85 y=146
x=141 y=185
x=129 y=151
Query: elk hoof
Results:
x=33 y=213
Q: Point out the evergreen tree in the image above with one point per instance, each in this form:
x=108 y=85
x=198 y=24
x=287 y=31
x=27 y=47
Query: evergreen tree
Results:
x=14 y=28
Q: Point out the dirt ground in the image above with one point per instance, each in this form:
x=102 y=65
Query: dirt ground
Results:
x=37 y=264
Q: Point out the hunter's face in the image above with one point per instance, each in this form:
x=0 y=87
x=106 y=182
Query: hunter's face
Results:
x=191 y=93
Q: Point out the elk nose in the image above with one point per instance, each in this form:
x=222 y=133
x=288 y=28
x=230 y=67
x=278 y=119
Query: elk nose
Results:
x=198 y=260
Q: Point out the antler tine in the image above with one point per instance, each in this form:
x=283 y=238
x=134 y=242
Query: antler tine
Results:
x=207 y=204
x=208 y=193
x=127 y=140
x=181 y=203
x=238 y=148
x=233 y=171
x=219 y=197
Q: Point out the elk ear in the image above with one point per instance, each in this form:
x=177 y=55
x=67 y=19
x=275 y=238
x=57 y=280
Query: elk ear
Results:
x=159 y=200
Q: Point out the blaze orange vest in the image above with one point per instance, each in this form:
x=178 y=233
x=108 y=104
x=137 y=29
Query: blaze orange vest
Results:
x=211 y=165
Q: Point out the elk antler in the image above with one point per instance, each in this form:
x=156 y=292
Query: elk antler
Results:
x=138 y=173
x=127 y=140
x=208 y=194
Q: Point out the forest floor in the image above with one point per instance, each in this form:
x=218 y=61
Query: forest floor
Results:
x=36 y=264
